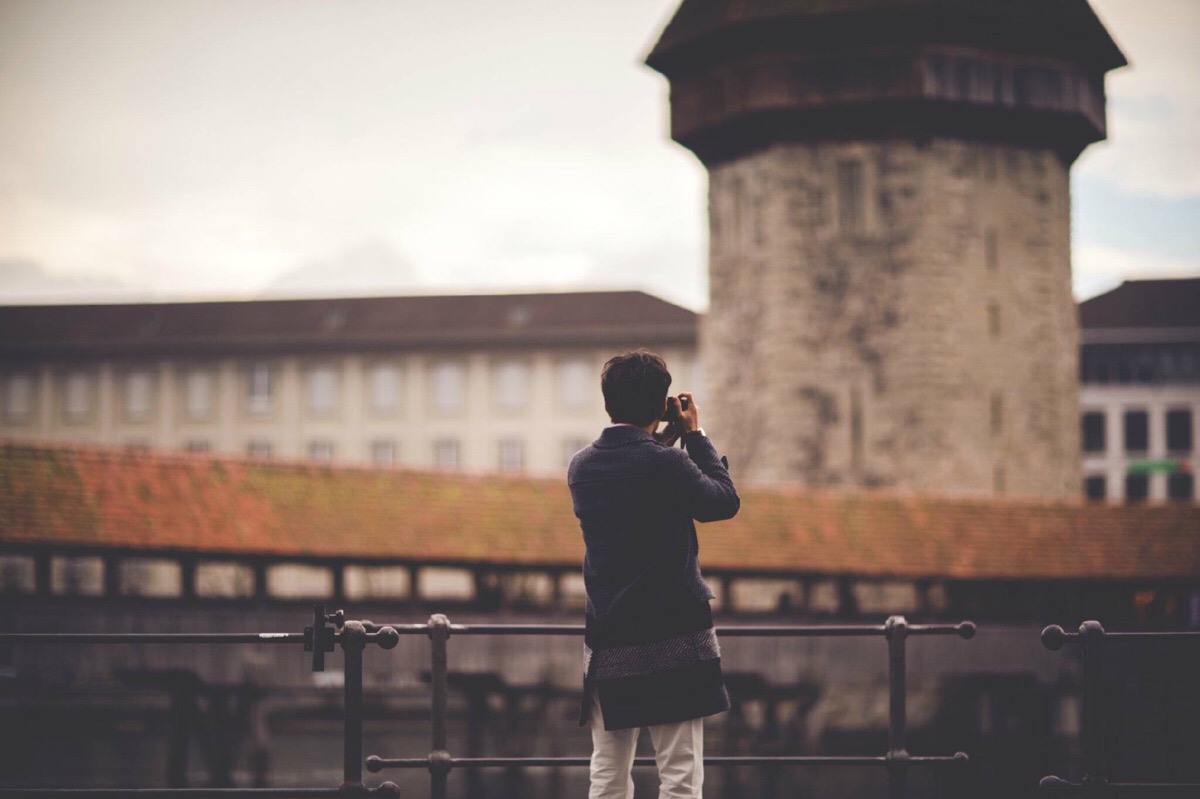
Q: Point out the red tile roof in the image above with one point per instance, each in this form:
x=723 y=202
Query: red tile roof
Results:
x=99 y=498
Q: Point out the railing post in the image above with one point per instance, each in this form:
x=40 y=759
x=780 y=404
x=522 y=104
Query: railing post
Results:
x=439 y=757
x=354 y=641
x=1091 y=646
x=896 y=629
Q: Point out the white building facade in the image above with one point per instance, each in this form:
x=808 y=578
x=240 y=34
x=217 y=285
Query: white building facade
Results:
x=1140 y=392
x=489 y=384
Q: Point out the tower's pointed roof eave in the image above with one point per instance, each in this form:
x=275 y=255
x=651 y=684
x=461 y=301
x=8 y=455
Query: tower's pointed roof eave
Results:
x=1065 y=28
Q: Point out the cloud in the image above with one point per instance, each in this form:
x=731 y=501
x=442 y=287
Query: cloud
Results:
x=195 y=153
x=1154 y=104
x=370 y=267
x=23 y=281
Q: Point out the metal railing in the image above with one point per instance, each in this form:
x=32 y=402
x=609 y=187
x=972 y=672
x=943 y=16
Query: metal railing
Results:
x=897 y=760
x=1091 y=639
x=352 y=636
x=332 y=630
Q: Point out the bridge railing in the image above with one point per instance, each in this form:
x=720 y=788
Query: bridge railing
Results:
x=330 y=631
x=1093 y=717
x=897 y=760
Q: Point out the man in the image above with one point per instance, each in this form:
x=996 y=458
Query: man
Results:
x=651 y=655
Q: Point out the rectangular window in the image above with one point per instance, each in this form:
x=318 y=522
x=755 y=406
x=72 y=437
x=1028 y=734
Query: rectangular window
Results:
x=993 y=316
x=198 y=394
x=299 y=581
x=78 y=400
x=77 y=575
x=997 y=414
x=1094 y=431
x=260 y=389
x=139 y=387
x=196 y=445
x=18 y=398
x=445 y=455
x=224 y=579
x=17 y=574
x=512 y=455
x=512 y=380
x=1137 y=431
x=445 y=584
x=385 y=388
x=259 y=449
x=151 y=577
x=1137 y=487
x=991 y=249
x=1181 y=486
x=989 y=165
x=575 y=384
x=322 y=390
x=320 y=451
x=383 y=453
x=449 y=384
x=377 y=582
x=1095 y=488
x=850 y=193
x=1179 y=430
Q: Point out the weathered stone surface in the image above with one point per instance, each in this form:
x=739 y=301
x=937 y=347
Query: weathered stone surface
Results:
x=919 y=335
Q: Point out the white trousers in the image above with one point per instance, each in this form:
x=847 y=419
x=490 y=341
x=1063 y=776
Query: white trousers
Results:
x=678 y=750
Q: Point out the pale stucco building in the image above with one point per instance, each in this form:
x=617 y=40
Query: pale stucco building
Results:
x=507 y=383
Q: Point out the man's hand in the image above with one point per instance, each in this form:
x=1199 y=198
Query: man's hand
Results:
x=681 y=421
x=689 y=420
x=668 y=435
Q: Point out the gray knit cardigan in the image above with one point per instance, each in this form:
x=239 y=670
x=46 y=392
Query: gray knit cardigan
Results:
x=650 y=649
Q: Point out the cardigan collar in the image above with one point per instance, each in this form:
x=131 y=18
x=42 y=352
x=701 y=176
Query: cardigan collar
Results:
x=621 y=435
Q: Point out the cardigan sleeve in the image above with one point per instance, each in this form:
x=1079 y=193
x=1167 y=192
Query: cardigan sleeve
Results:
x=705 y=487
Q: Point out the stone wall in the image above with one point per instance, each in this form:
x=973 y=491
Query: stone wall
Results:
x=894 y=314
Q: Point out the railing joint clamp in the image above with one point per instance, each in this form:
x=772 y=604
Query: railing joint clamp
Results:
x=387 y=789
x=353 y=790
x=439 y=627
x=895 y=626
x=440 y=762
x=353 y=635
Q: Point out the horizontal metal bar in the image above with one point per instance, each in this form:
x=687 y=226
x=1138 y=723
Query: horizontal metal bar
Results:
x=1054 y=636
x=1057 y=785
x=964 y=629
x=154 y=638
x=1163 y=634
x=377 y=764
x=168 y=793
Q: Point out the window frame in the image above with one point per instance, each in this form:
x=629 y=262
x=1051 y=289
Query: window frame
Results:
x=322 y=388
x=260 y=389
x=448 y=397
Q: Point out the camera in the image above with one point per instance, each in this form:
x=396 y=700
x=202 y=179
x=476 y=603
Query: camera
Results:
x=672 y=412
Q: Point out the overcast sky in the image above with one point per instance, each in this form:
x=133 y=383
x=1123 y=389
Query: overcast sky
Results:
x=223 y=148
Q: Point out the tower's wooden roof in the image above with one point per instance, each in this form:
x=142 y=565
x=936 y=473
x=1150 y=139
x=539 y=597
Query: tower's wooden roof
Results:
x=1060 y=27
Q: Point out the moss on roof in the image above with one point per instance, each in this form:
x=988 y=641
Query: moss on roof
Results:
x=101 y=498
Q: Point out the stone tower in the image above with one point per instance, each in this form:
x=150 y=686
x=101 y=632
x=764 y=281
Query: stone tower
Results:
x=889 y=212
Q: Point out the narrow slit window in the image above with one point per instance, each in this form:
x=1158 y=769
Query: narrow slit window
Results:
x=851 y=206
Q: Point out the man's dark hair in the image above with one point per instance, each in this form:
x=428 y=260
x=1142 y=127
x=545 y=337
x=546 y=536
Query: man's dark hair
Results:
x=635 y=385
